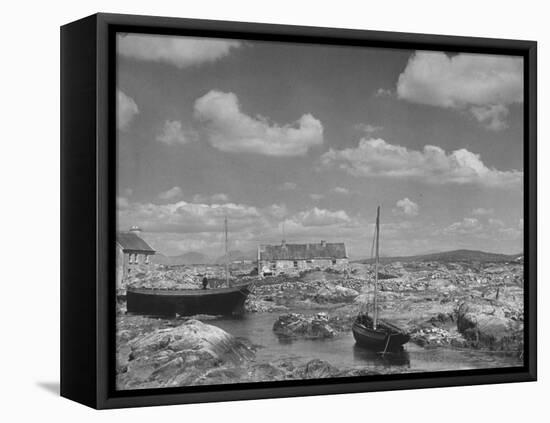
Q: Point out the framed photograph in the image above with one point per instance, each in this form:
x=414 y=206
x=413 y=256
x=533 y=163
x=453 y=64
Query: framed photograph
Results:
x=255 y=211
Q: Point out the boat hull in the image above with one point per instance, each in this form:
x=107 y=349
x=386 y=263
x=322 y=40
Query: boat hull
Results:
x=386 y=337
x=187 y=303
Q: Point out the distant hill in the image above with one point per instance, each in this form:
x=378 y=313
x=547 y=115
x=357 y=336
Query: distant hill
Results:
x=237 y=255
x=451 y=256
x=187 y=258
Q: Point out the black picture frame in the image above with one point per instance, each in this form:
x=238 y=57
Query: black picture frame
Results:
x=88 y=224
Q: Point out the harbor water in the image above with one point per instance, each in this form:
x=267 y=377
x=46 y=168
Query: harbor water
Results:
x=342 y=352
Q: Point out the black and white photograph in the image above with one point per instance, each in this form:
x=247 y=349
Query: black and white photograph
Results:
x=291 y=211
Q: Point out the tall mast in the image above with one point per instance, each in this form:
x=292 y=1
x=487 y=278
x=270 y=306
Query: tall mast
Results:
x=226 y=255
x=375 y=313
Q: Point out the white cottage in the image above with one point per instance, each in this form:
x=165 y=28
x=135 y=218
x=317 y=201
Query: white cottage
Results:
x=276 y=259
x=132 y=252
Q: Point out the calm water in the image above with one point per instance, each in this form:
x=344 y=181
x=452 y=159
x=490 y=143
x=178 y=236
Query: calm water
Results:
x=341 y=351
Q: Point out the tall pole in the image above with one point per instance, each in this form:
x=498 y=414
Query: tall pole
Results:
x=226 y=255
x=375 y=314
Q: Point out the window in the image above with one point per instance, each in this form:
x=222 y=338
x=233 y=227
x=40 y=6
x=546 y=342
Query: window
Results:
x=295 y=263
x=333 y=261
x=131 y=258
x=147 y=259
x=273 y=265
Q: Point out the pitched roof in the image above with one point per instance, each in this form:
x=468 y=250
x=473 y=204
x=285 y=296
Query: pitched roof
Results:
x=303 y=251
x=129 y=241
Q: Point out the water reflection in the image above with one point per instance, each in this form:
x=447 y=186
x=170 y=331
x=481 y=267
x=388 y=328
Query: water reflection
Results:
x=399 y=357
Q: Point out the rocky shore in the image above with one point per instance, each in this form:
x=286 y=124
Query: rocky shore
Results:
x=192 y=352
x=457 y=306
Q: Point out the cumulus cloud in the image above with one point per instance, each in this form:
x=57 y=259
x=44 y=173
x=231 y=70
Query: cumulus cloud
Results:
x=468 y=225
x=341 y=190
x=288 y=186
x=321 y=217
x=492 y=229
x=127 y=109
x=170 y=194
x=172 y=132
x=495 y=222
x=368 y=128
x=480 y=211
x=183 y=216
x=492 y=116
x=485 y=85
x=376 y=157
x=178 y=51
x=383 y=92
x=229 y=129
x=406 y=207
x=214 y=198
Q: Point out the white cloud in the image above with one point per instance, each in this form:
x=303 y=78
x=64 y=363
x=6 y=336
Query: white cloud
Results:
x=178 y=51
x=220 y=198
x=321 y=217
x=173 y=133
x=494 y=230
x=406 y=207
x=492 y=116
x=341 y=190
x=214 y=198
x=170 y=194
x=468 y=225
x=480 y=211
x=368 y=128
x=288 y=186
x=127 y=109
x=495 y=222
x=376 y=157
x=229 y=129
x=483 y=84
x=383 y=92
x=183 y=216
x=277 y=211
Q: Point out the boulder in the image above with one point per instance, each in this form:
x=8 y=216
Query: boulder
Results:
x=488 y=324
x=178 y=356
x=316 y=369
x=335 y=294
x=293 y=325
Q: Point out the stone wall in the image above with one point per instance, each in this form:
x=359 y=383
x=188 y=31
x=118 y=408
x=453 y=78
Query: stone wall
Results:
x=276 y=267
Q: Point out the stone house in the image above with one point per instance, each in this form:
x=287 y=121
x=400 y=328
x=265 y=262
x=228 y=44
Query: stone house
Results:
x=132 y=252
x=277 y=259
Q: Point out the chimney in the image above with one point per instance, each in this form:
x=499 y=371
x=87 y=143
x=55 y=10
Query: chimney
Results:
x=283 y=243
x=323 y=243
x=135 y=230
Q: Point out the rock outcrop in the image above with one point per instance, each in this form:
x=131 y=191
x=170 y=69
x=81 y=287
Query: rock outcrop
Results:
x=178 y=356
x=490 y=324
x=335 y=294
x=295 y=325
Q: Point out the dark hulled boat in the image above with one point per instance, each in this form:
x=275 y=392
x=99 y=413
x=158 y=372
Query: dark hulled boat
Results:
x=229 y=300
x=386 y=336
x=372 y=332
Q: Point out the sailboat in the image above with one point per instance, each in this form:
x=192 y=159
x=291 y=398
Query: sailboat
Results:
x=226 y=300
x=370 y=331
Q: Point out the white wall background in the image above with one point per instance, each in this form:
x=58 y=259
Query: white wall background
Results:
x=29 y=194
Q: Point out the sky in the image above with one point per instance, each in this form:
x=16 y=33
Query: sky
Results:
x=304 y=141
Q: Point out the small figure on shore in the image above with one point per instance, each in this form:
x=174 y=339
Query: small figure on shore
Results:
x=205 y=283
